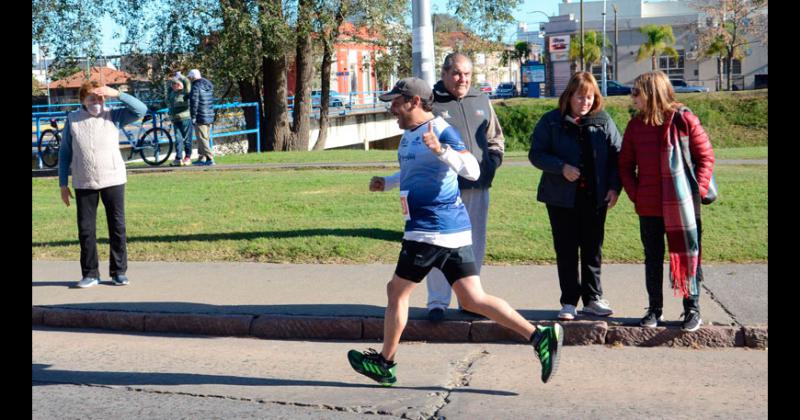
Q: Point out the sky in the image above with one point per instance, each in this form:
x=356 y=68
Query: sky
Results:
x=528 y=12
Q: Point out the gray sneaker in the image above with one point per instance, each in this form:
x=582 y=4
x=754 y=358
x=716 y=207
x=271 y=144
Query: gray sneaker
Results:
x=119 y=280
x=691 y=321
x=598 y=307
x=88 y=282
x=651 y=318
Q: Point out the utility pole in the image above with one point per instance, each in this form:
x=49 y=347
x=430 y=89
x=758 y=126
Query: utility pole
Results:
x=43 y=53
x=422 y=41
x=581 y=41
x=616 y=43
x=603 y=51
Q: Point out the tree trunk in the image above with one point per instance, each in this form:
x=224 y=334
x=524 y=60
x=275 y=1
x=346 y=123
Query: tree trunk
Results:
x=653 y=62
x=277 y=122
x=326 y=91
x=249 y=93
x=301 y=125
x=719 y=73
x=327 y=59
x=729 y=60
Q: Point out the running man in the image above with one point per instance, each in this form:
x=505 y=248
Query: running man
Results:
x=437 y=233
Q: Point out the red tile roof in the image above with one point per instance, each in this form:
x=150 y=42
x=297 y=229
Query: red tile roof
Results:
x=105 y=75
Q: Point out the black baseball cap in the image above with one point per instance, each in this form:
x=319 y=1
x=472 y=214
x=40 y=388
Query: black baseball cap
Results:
x=410 y=86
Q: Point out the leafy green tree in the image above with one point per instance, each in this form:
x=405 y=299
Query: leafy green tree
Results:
x=735 y=24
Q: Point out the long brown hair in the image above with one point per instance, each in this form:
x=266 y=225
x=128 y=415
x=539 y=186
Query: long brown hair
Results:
x=657 y=95
x=581 y=82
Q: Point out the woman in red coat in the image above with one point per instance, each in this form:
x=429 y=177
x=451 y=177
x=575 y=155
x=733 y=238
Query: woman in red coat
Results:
x=652 y=172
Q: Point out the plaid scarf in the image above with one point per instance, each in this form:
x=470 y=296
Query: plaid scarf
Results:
x=678 y=212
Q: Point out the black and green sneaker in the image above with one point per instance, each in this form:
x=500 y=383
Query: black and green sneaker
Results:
x=547 y=345
x=372 y=365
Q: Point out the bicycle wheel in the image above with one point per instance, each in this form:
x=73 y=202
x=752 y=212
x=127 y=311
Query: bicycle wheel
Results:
x=155 y=146
x=49 y=143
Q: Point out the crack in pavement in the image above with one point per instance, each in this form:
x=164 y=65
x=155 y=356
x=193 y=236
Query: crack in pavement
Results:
x=714 y=298
x=356 y=409
x=461 y=378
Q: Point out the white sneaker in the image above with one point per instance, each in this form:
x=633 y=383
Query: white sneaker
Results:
x=598 y=308
x=568 y=312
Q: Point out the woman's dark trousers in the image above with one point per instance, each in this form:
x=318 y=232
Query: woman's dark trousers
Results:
x=653 y=237
x=579 y=228
x=114 y=202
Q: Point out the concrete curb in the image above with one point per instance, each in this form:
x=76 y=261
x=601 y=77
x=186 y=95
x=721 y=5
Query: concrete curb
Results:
x=283 y=327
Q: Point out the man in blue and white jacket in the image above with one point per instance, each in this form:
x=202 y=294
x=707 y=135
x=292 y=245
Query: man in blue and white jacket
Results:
x=437 y=232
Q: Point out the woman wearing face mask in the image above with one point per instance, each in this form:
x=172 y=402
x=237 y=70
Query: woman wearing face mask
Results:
x=90 y=148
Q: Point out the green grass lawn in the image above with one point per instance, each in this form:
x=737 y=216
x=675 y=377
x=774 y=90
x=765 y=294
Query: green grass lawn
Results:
x=329 y=216
x=353 y=156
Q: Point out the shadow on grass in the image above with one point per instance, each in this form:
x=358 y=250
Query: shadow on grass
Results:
x=379 y=234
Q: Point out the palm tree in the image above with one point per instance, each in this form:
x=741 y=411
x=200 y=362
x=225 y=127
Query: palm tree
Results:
x=592 y=50
x=659 y=41
x=521 y=52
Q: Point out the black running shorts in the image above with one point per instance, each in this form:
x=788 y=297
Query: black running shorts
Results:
x=417 y=259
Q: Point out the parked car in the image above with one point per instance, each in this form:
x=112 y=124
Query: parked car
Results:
x=680 y=86
x=334 y=101
x=505 y=90
x=614 y=88
x=485 y=87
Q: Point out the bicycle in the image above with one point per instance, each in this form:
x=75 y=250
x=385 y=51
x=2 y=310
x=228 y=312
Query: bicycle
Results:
x=49 y=143
x=150 y=144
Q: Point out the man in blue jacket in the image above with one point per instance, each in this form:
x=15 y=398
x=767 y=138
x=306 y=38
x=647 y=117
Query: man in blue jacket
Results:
x=201 y=98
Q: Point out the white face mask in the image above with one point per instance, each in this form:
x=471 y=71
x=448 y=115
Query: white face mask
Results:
x=94 y=109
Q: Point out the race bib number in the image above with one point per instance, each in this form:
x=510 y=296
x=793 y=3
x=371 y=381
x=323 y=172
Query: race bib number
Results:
x=404 y=205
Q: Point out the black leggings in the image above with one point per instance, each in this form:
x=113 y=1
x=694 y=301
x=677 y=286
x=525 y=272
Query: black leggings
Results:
x=114 y=202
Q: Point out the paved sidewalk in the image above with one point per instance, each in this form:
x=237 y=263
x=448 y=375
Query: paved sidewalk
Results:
x=307 y=301
x=327 y=301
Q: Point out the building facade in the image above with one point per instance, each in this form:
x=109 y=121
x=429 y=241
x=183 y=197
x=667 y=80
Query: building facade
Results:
x=487 y=57
x=631 y=16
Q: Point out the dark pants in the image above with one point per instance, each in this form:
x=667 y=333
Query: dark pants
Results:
x=183 y=138
x=114 y=202
x=652 y=232
x=581 y=229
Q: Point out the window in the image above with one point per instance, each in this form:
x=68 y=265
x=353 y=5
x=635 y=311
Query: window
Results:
x=737 y=66
x=672 y=67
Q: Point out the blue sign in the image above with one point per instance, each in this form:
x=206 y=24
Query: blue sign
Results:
x=533 y=73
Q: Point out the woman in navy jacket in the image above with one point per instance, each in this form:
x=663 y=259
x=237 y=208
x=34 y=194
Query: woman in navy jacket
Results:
x=576 y=147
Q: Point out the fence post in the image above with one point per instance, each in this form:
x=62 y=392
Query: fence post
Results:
x=258 y=129
x=38 y=143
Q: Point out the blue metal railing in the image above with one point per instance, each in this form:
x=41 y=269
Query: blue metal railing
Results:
x=227 y=123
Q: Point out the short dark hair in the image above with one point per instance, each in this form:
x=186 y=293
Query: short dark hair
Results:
x=450 y=61
x=426 y=105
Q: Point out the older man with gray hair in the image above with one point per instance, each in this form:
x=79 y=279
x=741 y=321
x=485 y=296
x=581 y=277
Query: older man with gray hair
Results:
x=469 y=111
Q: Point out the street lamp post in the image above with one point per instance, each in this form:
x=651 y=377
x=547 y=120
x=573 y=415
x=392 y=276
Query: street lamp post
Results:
x=43 y=51
x=422 y=41
x=603 y=51
x=616 y=43
x=581 y=40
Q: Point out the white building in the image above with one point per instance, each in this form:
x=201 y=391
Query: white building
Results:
x=634 y=14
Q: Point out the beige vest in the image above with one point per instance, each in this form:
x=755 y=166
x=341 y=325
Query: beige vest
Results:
x=96 y=160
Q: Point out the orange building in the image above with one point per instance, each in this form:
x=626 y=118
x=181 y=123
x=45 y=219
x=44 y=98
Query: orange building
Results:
x=353 y=69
